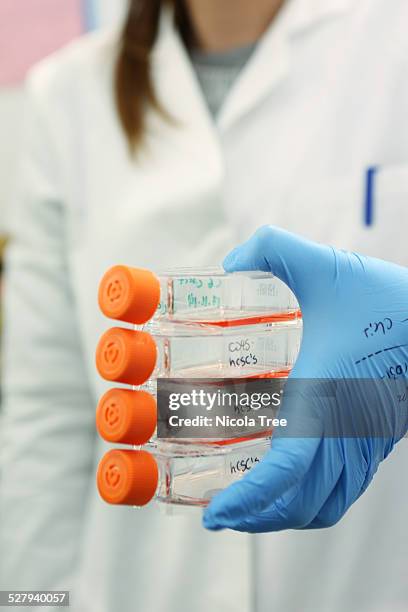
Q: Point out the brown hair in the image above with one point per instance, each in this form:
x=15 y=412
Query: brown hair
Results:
x=133 y=84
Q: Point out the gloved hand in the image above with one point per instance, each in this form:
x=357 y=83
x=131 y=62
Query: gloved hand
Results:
x=355 y=317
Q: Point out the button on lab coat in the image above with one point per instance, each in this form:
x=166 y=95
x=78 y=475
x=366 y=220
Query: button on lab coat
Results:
x=322 y=101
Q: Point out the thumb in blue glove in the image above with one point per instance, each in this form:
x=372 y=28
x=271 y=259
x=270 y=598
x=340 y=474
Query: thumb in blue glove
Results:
x=355 y=328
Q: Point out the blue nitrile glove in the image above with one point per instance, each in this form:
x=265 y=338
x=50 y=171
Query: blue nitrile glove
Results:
x=355 y=314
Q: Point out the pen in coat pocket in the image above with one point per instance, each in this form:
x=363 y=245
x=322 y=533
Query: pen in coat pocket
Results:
x=369 y=197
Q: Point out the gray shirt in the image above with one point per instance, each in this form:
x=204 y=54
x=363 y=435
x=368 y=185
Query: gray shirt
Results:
x=217 y=72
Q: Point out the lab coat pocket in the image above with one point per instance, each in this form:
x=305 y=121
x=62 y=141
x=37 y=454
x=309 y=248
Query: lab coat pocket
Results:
x=384 y=214
x=334 y=211
x=324 y=209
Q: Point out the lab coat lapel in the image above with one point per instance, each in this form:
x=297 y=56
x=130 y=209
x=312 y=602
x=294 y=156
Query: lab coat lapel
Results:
x=265 y=70
x=172 y=204
x=270 y=63
x=179 y=92
x=312 y=13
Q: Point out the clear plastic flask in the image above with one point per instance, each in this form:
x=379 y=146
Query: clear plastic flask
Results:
x=171 y=475
x=209 y=295
x=166 y=349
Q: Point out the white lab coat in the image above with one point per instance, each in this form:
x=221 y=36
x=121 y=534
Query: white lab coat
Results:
x=324 y=97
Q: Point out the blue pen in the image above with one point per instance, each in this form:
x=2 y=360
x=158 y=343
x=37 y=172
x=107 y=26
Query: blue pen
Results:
x=369 y=202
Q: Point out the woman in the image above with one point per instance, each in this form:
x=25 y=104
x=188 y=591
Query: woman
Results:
x=204 y=120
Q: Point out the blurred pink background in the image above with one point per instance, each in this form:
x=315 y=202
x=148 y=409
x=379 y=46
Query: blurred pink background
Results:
x=31 y=29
